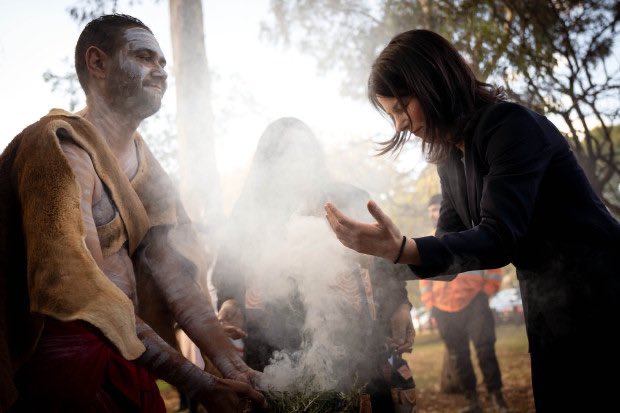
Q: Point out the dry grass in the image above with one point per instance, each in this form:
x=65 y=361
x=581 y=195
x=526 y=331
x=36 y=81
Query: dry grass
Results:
x=514 y=361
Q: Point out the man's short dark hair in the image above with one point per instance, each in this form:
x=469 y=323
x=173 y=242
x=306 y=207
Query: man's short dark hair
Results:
x=435 y=200
x=104 y=32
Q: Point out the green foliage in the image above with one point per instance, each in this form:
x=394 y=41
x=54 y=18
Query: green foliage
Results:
x=82 y=11
x=343 y=35
x=67 y=84
x=609 y=148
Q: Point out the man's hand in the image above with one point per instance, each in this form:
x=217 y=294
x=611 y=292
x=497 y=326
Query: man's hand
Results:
x=249 y=376
x=403 y=332
x=382 y=238
x=234 y=332
x=231 y=396
x=231 y=318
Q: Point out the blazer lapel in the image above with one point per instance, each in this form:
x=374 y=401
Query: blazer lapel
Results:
x=460 y=194
x=474 y=185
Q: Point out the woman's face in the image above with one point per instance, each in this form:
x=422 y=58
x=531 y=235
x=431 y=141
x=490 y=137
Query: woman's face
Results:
x=410 y=118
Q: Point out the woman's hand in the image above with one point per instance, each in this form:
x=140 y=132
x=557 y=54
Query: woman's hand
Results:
x=382 y=238
x=403 y=332
x=231 y=318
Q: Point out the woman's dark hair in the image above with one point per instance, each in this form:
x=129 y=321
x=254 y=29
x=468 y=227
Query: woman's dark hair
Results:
x=106 y=33
x=423 y=65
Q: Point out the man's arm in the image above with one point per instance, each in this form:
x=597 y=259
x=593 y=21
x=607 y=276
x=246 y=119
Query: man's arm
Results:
x=85 y=176
x=168 y=364
x=174 y=275
x=159 y=357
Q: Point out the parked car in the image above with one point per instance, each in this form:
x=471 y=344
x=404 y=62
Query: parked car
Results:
x=507 y=306
x=422 y=319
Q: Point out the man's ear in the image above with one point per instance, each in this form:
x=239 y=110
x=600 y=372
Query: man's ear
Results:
x=96 y=62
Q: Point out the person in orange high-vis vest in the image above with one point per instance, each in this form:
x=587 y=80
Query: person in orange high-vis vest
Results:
x=461 y=309
x=455 y=295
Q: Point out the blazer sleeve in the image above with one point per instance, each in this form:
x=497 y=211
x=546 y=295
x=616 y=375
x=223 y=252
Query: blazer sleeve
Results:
x=517 y=152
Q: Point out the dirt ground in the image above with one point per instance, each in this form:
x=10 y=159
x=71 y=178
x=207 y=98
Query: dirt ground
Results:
x=425 y=363
x=514 y=361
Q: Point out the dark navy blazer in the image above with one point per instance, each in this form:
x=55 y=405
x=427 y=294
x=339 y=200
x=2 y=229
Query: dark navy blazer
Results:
x=518 y=195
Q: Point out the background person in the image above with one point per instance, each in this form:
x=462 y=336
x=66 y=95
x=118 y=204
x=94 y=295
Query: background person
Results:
x=461 y=309
x=288 y=179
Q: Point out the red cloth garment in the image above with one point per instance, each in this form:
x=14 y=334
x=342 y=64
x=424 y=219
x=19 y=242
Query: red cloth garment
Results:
x=74 y=369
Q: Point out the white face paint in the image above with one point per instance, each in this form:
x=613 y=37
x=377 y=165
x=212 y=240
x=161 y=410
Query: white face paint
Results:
x=410 y=118
x=136 y=80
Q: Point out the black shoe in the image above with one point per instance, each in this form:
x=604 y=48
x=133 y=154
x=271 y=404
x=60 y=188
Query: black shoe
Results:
x=499 y=403
x=474 y=404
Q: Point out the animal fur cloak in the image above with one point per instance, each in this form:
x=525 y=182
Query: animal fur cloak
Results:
x=45 y=266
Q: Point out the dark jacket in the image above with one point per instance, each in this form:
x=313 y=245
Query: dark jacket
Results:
x=518 y=195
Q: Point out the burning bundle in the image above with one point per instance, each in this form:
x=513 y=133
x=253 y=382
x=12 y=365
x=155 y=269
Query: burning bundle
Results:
x=311 y=401
x=292 y=384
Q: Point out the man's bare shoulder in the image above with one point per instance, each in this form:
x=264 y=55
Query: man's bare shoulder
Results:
x=81 y=164
x=76 y=155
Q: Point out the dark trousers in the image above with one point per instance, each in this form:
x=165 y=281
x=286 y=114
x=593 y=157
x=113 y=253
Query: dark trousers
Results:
x=475 y=322
x=576 y=371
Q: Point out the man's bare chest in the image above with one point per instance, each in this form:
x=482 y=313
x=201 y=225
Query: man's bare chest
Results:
x=117 y=264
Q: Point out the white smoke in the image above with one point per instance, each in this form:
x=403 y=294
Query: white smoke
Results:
x=281 y=243
x=314 y=257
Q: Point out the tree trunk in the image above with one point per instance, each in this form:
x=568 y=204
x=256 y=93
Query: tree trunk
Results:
x=200 y=189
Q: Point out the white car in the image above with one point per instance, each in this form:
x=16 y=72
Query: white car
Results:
x=507 y=305
x=421 y=318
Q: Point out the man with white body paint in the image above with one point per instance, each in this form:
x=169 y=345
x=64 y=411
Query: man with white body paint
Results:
x=108 y=258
